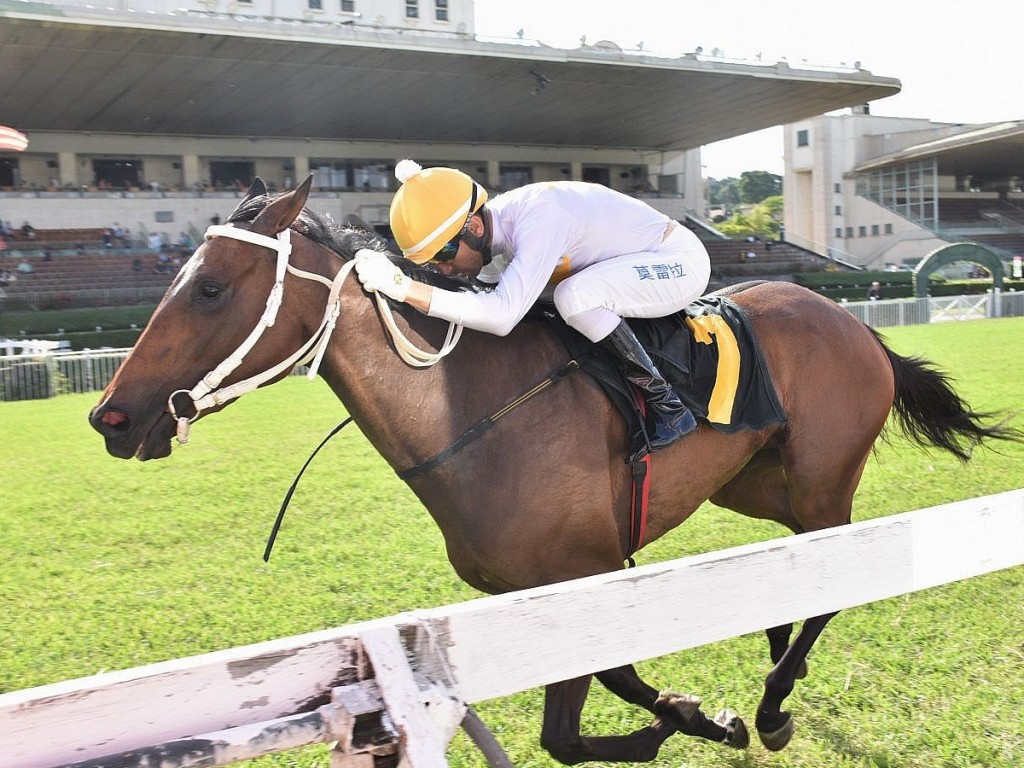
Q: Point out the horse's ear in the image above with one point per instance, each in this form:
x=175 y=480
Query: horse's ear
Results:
x=283 y=210
x=256 y=189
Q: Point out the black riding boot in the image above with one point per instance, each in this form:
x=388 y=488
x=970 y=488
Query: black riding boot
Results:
x=667 y=418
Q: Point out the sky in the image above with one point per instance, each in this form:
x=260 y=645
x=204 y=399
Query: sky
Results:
x=957 y=62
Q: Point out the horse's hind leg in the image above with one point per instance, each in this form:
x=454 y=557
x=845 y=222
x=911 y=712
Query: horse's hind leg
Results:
x=684 y=711
x=775 y=726
x=765 y=490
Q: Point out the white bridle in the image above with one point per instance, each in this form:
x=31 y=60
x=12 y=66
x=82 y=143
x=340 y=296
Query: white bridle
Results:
x=206 y=393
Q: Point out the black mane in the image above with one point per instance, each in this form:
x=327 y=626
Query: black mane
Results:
x=346 y=241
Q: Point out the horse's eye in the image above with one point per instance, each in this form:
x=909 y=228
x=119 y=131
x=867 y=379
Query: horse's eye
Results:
x=209 y=291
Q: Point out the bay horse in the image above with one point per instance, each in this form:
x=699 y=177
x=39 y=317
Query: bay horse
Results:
x=544 y=494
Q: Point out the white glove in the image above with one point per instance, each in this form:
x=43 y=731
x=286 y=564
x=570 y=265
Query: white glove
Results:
x=377 y=273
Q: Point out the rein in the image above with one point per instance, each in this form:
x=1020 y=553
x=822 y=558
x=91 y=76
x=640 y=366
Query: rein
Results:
x=208 y=393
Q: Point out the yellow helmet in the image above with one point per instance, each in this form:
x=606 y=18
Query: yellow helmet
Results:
x=431 y=207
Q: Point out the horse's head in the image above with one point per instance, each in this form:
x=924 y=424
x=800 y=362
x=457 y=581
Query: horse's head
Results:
x=215 y=327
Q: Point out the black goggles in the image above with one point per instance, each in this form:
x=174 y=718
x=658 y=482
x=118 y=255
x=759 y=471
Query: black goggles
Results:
x=450 y=250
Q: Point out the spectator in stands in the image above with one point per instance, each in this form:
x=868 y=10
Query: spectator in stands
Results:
x=5 y=278
x=155 y=242
x=28 y=230
x=875 y=291
x=24 y=267
x=3 y=245
x=163 y=264
x=108 y=238
x=5 y=229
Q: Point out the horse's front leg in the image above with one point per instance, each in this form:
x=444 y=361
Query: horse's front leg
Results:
x=775 y=727
x=682 y=710
x=560 y=735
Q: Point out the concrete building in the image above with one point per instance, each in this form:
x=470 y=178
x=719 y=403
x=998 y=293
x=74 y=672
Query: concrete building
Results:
x=886 y=191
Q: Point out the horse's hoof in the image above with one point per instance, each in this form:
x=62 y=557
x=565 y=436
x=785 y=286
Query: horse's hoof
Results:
x=678 y=706
x=736 y=734
x=779 y=738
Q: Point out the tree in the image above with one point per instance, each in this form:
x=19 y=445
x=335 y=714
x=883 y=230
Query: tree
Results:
x=755 y=186
x=724 y=193
x=762 y=220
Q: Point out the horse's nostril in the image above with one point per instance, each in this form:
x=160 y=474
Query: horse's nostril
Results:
x=109 y=422
x=113 y=418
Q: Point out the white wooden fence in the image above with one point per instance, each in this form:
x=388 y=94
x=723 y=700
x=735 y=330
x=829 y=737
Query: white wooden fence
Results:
x=248 y=701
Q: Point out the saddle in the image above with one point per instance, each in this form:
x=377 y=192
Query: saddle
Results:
x=708 y=353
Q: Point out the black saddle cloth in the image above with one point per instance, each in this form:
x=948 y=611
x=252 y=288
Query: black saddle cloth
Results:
x=707 y=352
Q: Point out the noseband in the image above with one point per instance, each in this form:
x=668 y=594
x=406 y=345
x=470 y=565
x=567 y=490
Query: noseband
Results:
x=206 y=394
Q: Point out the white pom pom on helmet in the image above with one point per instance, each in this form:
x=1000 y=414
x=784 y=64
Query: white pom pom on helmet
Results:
x=431 y=207
x=406 y=169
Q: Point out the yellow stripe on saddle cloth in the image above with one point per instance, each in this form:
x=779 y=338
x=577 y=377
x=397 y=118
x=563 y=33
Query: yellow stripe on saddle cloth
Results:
x=713 y=329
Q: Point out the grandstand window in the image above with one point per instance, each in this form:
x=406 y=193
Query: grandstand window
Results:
x=8 y=172
x=803 y=138
x=909 y=189
x=888 y=229
x=348 y=6
x=837 y=187
x=412 y=9
x=839 y=232
x=839 y=210
x=121 y=173
x=597 y=174
x=353 y=175
x=315 y=5
x=874 y=230
x=862 y=231
x=512 y=176
x=849 y=232
x=232 y=174
x=374 y=176
x=441 y=10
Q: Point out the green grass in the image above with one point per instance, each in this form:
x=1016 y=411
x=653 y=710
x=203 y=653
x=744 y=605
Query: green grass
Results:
x=109 y=564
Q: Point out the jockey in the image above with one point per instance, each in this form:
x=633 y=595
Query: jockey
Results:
x=608 y=256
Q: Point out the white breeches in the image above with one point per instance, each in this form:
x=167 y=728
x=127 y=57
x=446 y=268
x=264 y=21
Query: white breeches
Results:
x=646 y=284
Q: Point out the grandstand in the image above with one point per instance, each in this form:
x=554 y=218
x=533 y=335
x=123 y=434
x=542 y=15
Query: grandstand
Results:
x=155 y=113
x=82 y=267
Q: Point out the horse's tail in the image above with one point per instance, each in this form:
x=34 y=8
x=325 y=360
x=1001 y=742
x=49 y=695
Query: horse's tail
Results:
x=931 y=413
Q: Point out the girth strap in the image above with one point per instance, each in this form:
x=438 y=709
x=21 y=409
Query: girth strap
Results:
x=641 y=470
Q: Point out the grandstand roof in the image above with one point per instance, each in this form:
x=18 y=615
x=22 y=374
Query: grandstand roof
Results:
x=994 y=150
x=226 y=76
